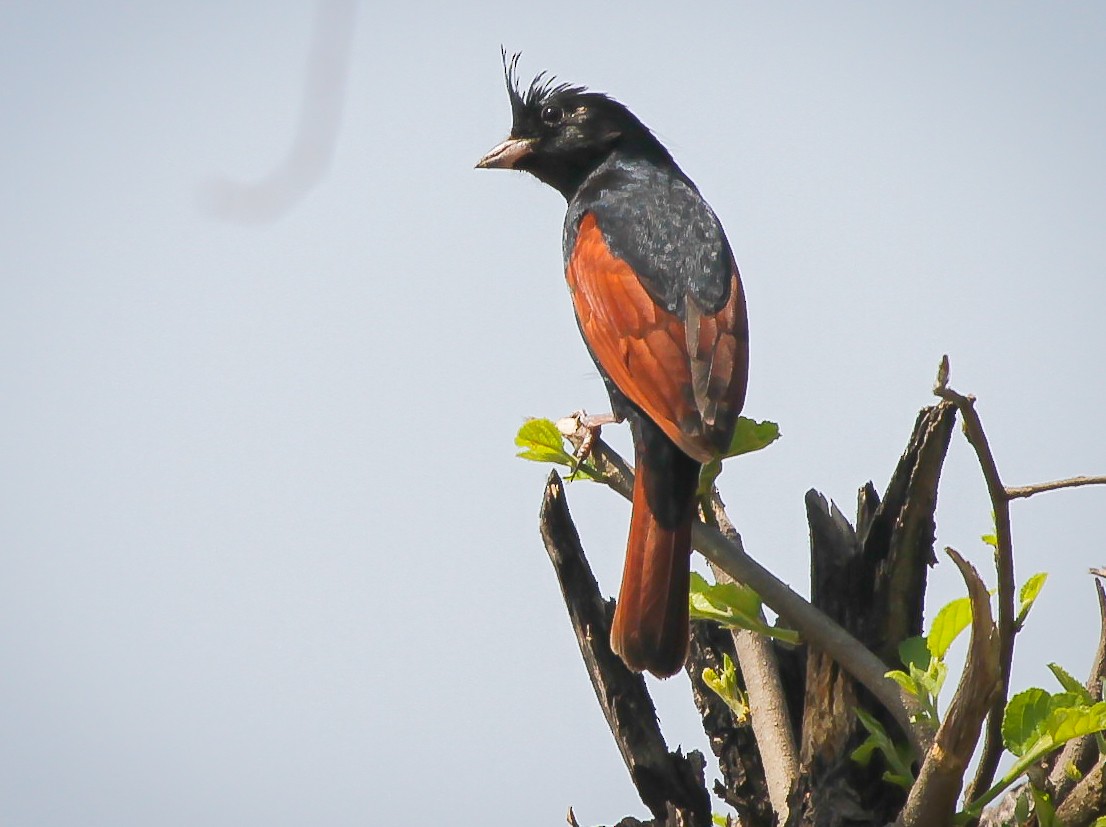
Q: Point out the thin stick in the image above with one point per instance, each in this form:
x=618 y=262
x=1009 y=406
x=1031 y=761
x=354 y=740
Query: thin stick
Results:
x=770 y=718
x=1004 y=566
x=1055 y=485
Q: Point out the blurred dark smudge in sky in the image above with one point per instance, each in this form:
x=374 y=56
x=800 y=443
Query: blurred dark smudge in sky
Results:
x=309 y=158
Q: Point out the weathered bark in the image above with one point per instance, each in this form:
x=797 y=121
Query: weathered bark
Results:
x=834 y=790
x=873 y=584
x=667 y=782
x=897 y=539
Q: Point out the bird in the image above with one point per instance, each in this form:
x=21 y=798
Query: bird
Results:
x=659 y=302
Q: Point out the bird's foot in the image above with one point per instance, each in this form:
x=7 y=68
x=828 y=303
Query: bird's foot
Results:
x=583 y=430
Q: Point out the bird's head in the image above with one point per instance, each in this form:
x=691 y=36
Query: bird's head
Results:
x=561 y=133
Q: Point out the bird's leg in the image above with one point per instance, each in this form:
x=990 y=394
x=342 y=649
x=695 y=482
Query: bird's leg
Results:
x=592 y=425
x=584 y=427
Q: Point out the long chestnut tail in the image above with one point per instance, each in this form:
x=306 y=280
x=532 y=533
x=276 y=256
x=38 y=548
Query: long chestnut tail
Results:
x=650 y=628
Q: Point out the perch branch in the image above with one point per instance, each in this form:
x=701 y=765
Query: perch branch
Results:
x=932 y=799
x=1004 y=565
x=815 y=627
x=770 y=719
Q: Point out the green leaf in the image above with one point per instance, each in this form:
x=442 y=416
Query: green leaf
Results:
x=1032 y=587
x=898 y=779
x=898 y=759
x=724 y=596
x=932 y=680
x=905 y=681
x=1067 y=722
x=707 y=476
x=878 y=738
x=925 y=670
x=1034 y=725
x=1028 y=595
x=1021 y=808
x=924 y=676
x=749 y=436
x=990 y=539
x=725 y=687
x=542 y=441
x=734 y=605
x=1035 y=721
x=948 y=624
x=863 y=754
x=914 y=651
x=1070 y=684
x=1024 y=719
x=1043 y=809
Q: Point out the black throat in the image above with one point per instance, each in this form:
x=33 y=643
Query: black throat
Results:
x=567 y=172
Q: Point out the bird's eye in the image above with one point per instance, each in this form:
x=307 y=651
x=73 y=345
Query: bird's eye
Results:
x=552 y=114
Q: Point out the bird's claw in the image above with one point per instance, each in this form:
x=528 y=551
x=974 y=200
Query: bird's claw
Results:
x=583 y=429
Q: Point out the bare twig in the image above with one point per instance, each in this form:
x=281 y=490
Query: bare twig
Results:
x=661 y=778
x=743 y=785
x=1073 y=482
x=815 y=627
x=933 y=797
x=771 y=723
x=770 y=718
x=1004 y=565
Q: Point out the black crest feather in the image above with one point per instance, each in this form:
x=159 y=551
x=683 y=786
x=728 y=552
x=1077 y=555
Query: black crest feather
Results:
x=543 y=87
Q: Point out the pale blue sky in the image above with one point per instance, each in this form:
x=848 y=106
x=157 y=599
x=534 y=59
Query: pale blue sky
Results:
x=267 y=556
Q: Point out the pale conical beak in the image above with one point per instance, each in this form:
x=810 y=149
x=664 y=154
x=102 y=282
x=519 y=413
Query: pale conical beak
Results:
x=507 y=154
